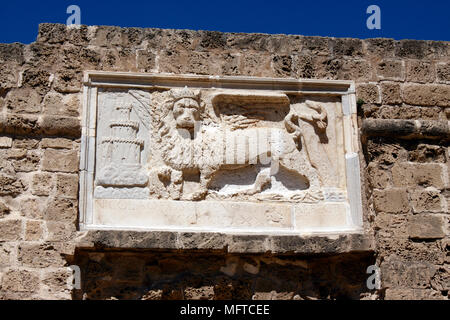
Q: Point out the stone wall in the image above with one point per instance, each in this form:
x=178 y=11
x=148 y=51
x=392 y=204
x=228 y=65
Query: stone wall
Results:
x=404 y=102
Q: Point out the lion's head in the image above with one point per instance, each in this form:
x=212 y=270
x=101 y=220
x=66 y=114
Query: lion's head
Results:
x=186 y=107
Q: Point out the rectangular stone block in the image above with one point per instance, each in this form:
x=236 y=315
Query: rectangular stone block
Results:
x=4 y=210
x=429 y=200
x=420 y=71
x=25 y=143
x=56 y=284
x=5 y=142
x=411 y=274
x=390 y=69
x=60 y=231
x=369 y=93
x=6 y=255
x=443 y=72
x=24 y=160
x=393 y=200
x=61 y=210
x=426 y=95
x=60 y=160
x=32 y=208
x=11 y=230
x=56 y=143
x=412 y=294
x=205 y=215
x=34 y=230
x=63 y=105
x=391 y=226
x=67 y=186
x=391 y=93
x=20 y=281
x=424 y=227
x=42 y=184
x=39 y=256
x=408 y=174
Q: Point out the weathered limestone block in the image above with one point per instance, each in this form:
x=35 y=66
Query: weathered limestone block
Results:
x=429 y=200
x=23 y=100
x=391 y=200
x=25 y=143
x=390 y=93
x=34 y=230
x=347 y=47
x=393 y=239
x=413 y=49
x=369 y=93
x=390 y=226
x=62 y=105
x=426 y=227
x=282 y=65
x=384 y=153
x=60 y=231
x=32 y=208
x=408 y=174
x=428 y=153
x=256 y=64
x=4 y=210
x=380 y=47
x=357 y=70
x=62 y=210
x=42 y=184
x=412 y=294
x=390 y=69
x=56 y=284
x=145 y=60
x=420 y=71
x=19 y=281
x=56 y=143
x=379 y=177
x=39 y=255
x=443 y=72
x=426 y=95
x=68 y=81
x=60 y=161
x=17 y=124
x=24 y=160
x=5 y=142
x=6 y=255
x=62 y=126
x=202 y=293
x=67 y=186
x=11 y=185
x=404 y=112
x=10 y=230
x=11 y=58
x=399 y=273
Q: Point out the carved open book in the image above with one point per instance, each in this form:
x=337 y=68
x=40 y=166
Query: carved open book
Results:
x=225 y=154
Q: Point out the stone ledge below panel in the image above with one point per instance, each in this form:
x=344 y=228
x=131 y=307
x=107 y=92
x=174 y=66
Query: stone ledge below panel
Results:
x=230 y=243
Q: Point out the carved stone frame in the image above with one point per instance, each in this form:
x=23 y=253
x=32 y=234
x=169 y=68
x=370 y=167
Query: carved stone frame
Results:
x=344 y=89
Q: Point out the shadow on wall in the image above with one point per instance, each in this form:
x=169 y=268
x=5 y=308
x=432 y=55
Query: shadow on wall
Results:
x=195 y=275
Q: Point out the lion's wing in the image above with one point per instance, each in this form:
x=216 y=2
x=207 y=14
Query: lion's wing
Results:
x=142 y=106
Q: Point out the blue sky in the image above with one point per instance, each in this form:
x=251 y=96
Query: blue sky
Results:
x=400 y=19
